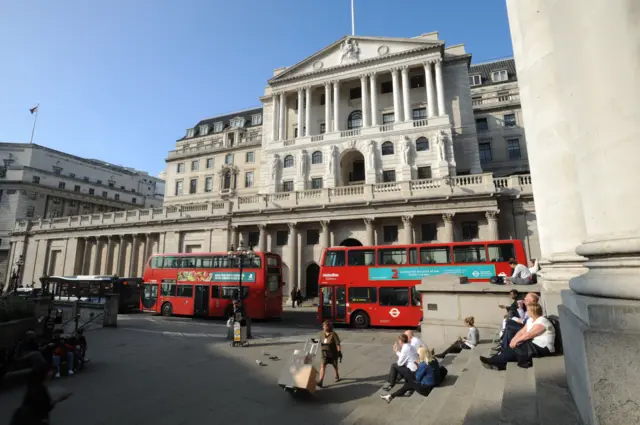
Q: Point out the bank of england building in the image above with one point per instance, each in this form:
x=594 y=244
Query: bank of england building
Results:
x=371 y=140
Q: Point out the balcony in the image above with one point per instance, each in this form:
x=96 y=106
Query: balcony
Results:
x=495 y=101
x=344 y=196
x=213 y=147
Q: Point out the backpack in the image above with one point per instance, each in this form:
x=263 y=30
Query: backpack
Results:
x=497 y=280
x=555 y=321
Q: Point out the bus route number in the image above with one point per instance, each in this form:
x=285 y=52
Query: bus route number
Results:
x=394 y=273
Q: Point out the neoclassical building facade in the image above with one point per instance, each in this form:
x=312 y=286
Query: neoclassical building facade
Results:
x=371 y=140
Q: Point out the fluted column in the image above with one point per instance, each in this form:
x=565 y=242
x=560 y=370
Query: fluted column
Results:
x=492 y=224
x=293 y=256
x=274 y=119
x=336 y=106
x=131 y=270
x=300 y=112
x=107 y=268
x=397 y=113
x=431 y=99
x=119 y=269
x=307 y=111
x=327 y=107
x=374 y=99
x=407 y=222
x=370 y=237
x=365 y=100
x=448 y=227
x=94 y=264
x=235 y=236
x=262 y=242
x=440 y=88
x=281 y=117
x=406 y=89
x=325 y=236
x=86 y=257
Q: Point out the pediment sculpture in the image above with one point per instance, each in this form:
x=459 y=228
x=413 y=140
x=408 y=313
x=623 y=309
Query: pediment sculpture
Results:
x=349 y=51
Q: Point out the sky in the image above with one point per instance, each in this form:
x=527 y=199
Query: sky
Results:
x=121 y=80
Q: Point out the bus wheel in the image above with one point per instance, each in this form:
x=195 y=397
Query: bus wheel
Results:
x=167 y=310
x=360 y=320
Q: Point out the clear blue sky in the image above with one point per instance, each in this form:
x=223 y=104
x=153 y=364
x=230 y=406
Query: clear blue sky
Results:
x=121 y=80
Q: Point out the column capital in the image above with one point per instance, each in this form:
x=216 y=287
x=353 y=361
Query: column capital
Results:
x=307 y=87
x=292 y=225
x=492 y=215
x=262 y=227
x=325 y=223
x=363 y=77
x=448 y=217
x=407 y=219
x=233 y=227
x=368 y=221
x=334 y=82
x=372 y=74
x=327 y=83
x=395 y=69
x=404 y=68
x=300 y=90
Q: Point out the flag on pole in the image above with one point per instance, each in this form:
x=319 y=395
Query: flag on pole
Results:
x=34 y=109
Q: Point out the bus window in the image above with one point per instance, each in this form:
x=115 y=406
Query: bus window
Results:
x=156 y=262
x=186 y=262
x=273 y=283
x=168 y=289
x=435 y=255
x=185 y=291
x=501 y=252
x=334 y=259
x=231 y=292
x=221 y=262
x=170 y=262
x=362 y=257
x=362 y=295
x=415 y=297
x=215 y=291
x=469 y=254
x=273 y=261
x=397 y=297
x=392 y=256
x=204 y=262
x=413 y=256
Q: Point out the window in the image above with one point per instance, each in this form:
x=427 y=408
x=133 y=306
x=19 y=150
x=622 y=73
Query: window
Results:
x=362 y=295
x=116 y=197
x=190 y=132
x=419 y=114
x=185 y=291
x=179 y=188
x=76 y=188
x=422 y=144
x=497 y=76
x=469 y=254
x=168 y=289
x=104 y=194
x=362 y=257
x=388 y=118
x=288 y=161
x=193 y=186
x=355 y=120
x=226 y=182
x=322 y=99
x=35 y=180
x=417 y=81
x=204 y=129
x=355 y=93
x=316 y=157
x=123 y=188
x=208 y=184
x=194 y=165
x=237 y=123
x=180 y=168
x=392 y=256
x=112 y=183
x=424 y=172
x=282 y=237
x=57 y=170
x=510 y=120
x=501 y=252
x=218 y=127
x=475 y=80
x=429 y=232
x=513 y=149
x=134 y=201
x=416 y=298
x=92 y=191
x=313 y=237
x=396 y=297
x=209 y=162
x=435 y=255
x=316 y=183
x=386 y=87
x=323 y=128
x=254 y=238
x=248 y=179
x=485 y=152
x=482 y=124
x=99 y=181
x=334 y=258
x=228 y=159
x=469 y=230
x=287 y=186
x=85 y=179
x=389 y=176
x=61 y=185
x=30 y=210
x=249 y=157
x=72 y=175
x=256 y=119
x=387 y=148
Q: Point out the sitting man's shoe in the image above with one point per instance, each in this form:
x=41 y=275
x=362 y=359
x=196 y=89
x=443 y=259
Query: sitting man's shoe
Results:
x=492 y=363
x=386 y=397
x=387 y=387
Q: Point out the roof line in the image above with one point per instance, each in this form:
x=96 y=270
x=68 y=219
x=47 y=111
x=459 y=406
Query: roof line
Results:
x=493 y=60
x=232 y=112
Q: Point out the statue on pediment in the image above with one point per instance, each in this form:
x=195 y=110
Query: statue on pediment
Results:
x=442 y=143
x=275 y=164
x=349 y=50
x=333 y=153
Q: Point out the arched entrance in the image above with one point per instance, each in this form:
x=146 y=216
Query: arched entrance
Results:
x=350 y=242
x=311 y=279
x=352 y=168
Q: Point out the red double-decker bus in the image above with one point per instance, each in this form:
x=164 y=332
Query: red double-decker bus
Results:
x=205 y=285
x=375 y=285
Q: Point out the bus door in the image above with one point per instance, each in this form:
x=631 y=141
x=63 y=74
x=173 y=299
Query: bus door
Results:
x=333 y=302
x=218 y=305
x=150 y=296
x=201 y=301
x=273 y=296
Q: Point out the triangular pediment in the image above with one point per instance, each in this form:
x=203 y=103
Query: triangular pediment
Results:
x=351 y=50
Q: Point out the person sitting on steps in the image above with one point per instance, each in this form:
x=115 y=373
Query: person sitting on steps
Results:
x=406 y=365
x=414 y=340
x=429 y=375
x=468 y=343
x=513 y=325
x=521 y=274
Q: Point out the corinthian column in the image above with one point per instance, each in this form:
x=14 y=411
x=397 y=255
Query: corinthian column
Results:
x=300 y=112
x=374 y=99
x=406 y=90
x=440 y=88
x=370 y=231
x=307 y=111
x=281 y=117
x=327 y=107
x=365 y=101
x=336 y=106
x=274 y=117
x=396 y=96
x=431 y=99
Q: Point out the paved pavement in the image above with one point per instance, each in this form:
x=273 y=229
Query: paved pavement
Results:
x=181 y=371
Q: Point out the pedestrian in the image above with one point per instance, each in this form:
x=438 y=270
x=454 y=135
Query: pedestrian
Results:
x=294 y=294
x=331 y=350
x=299 y=297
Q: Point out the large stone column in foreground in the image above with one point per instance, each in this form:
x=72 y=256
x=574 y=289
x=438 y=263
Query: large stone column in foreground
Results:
x=591 y=55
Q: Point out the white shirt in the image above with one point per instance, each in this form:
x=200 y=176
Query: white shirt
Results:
x=522 y=272
x=416 y=343
x=408 y=356
x=546 y=338
x=535 y=268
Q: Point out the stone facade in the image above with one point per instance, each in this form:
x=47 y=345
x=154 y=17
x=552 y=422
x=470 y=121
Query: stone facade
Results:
x=388 y=154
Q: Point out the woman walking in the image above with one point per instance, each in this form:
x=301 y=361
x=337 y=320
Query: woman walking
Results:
x=331 y=351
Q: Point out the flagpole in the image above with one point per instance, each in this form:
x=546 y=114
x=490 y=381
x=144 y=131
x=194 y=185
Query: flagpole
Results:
x=353 y=21
x=33 y=130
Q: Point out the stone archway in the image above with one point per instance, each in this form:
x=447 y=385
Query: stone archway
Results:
x=350 y=242
x=352 y=170
x=311 y=280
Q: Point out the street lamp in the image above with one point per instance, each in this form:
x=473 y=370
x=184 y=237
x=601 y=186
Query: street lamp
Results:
x=239 y=255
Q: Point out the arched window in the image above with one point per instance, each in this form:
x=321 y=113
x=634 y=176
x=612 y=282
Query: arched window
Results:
x=316 y=157
x=288 y=161
x=422 y=144
x=355 y=120
x=227 y=180
x=228 y=159
x=387 y=148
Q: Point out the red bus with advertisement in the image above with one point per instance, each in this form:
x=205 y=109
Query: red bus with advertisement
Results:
x=205 y=285
x=375 y=285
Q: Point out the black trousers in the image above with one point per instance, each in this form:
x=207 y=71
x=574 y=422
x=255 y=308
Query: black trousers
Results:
x=455 y=348
x=423 y=390
x=403 y=371
x=510 y=330
x=523 y=354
